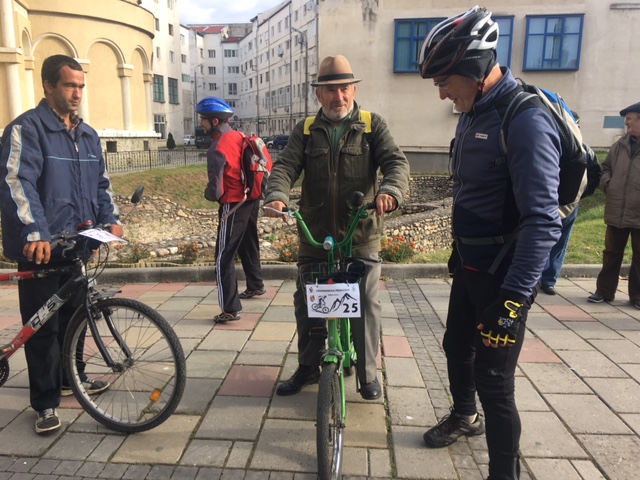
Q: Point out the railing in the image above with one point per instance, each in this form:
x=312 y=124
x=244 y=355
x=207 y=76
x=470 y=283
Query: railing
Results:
x=122 y=162
x=147 y=160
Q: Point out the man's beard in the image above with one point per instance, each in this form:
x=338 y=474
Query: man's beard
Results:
x=336 y=116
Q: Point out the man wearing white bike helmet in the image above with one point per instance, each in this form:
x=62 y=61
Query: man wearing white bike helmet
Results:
x=505 y=221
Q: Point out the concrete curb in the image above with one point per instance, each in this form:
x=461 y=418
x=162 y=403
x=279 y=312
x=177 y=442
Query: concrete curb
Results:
x=288 y=272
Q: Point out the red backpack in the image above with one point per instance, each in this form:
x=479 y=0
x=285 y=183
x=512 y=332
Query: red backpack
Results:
x=255 y=167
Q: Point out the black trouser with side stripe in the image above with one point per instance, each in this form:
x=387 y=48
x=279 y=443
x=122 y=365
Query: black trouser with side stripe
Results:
x=489 y=371
x=237 y=234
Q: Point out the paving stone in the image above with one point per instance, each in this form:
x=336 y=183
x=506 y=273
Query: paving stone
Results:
x=534 y=351
x=554 y=378
x=591 y=364
x=19 y=437
x=587 y=470
x=232 y=340
x=240 y=454
x=91 y=469
x=136 y=472
x=274 y=332
x=277 y=313
x=586 y=414
x=107 y=447
x=403 y=372
x=233 y=418
x=301 y=406
x=365 y=426
x=183 y=472
x=527 y=398
x=286 y=445
x=203 y=364
x=396 y=346
x=68 y=467
x=563 y=339
x=160 y=472
x=569 y=313
x=617 y=455
x=552 y=469
x=164 y=444
x=415 y=461
x=197 y=395
x=74 y=446
x=206 y=453
x=262 y=353
x=618 y=351
x=593 y=330
x=544 y=436
x=355 y=462
x=210 y=473
x=113 y=470
x=621 y=394
x=250 y=380
x=45 y=466
x=13 y=400
x=410 y=406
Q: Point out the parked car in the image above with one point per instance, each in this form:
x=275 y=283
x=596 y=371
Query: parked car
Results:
x=189 y=140
x=278 y=142
x=202 y=139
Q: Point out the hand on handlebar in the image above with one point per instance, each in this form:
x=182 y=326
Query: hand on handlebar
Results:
x=385 y=203
x=116 y=230
x=37 y=252
x=271 y=209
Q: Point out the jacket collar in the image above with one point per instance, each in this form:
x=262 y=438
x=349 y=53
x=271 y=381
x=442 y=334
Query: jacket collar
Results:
x=52 y=121
x=506 y=84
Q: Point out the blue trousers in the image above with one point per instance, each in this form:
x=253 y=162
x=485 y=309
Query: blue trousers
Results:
x=558 y=252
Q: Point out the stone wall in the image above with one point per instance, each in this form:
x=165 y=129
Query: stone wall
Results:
x=161 y=224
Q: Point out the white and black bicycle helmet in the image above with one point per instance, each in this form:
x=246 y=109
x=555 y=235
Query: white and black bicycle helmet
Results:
x=461 y=45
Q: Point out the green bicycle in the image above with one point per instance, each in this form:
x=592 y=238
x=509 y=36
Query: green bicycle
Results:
x=336 y=280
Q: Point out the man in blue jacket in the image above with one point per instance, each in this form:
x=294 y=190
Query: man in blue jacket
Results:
x=53 y=178
x=505 y=221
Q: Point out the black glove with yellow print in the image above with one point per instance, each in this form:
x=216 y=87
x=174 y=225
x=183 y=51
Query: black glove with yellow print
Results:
x=501 y=321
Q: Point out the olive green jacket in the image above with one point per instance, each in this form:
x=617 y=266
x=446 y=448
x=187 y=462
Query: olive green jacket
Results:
x=331 y=178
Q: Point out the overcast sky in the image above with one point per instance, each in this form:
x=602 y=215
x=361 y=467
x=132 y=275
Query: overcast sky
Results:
x=222 y=11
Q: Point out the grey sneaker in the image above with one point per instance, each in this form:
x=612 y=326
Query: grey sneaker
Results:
x=92 y=387
x=47 y=420
x=452 y=427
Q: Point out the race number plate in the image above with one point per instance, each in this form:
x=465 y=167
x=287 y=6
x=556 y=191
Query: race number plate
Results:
x=338 y=300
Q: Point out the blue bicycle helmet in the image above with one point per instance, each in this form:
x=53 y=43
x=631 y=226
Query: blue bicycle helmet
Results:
x=213 y=107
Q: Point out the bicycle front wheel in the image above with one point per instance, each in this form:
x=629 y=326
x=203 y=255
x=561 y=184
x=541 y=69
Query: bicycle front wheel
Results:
x=330 y=427
x=148 y=373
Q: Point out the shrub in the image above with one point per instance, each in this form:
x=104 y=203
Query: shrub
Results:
x=171 y=143
x=397 y=250
x=189 y=252
x=288 y=250
x=132 y=252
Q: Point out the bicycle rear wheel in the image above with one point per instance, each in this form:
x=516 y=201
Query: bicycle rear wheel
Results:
x=149 y=375
x=330 y=427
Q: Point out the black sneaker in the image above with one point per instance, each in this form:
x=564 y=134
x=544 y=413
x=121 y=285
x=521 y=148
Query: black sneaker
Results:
x=92 y=387
x=452 y=427
x=47 y=420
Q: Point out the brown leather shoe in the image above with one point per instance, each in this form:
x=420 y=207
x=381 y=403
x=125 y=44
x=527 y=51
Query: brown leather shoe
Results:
x=304 y=375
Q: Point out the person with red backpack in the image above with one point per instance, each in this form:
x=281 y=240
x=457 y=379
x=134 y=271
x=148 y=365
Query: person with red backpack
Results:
x=237 y=214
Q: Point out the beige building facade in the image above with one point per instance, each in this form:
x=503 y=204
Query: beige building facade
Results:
x=111 y=39
x=586 y=51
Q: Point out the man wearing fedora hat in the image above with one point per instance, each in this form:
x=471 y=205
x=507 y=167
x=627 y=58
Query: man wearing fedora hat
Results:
x=340 y=150
x=620 y=180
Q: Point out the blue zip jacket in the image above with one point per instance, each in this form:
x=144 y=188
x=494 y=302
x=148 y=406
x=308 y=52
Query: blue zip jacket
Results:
x=50 y=182
x=493 y=197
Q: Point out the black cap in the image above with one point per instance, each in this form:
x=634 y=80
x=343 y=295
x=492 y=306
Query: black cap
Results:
x=635 y=108
x=476 y=64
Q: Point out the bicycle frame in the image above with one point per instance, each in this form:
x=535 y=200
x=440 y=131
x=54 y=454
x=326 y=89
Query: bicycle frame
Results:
x=77 y=282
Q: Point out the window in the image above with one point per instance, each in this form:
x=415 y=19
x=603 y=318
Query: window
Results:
x=504 y=40
x=157 y=25
x=211 y=53
x=186 y=78
x=182 y=39
x=158 y=53
x=158 y=88
x=171 y=30
x=160 y=125
x=213 y=86
x=553 y=42
x=212 y=70
x=173 y=91
x=232 y=103
x=171 y=57
x=233 y=69
x=201 y=53
x=183 y=58
x=409 y=35
x=230 y=53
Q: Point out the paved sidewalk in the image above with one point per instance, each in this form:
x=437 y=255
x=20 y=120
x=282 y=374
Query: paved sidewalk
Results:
x=578 y=390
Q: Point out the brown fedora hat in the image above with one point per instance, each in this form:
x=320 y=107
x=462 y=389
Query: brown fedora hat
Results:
x=335 y=71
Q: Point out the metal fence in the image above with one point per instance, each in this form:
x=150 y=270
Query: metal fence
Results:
x=121 y=162
x=146 y=160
